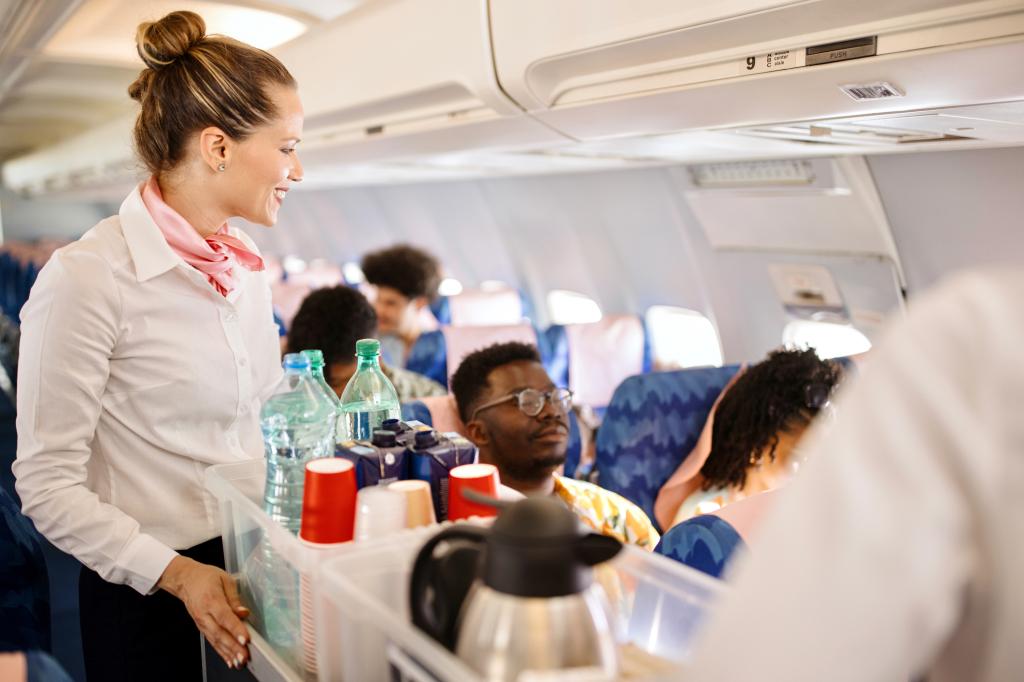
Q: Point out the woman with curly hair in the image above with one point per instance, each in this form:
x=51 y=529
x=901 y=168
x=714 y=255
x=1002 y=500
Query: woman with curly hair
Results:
x=755 y=429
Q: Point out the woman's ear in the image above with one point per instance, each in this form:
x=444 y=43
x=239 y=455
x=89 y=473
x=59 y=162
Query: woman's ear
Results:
x=215 y=148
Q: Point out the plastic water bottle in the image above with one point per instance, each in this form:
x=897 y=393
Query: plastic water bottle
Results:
x=316 y=368
x=298 y=424
x=369 y=397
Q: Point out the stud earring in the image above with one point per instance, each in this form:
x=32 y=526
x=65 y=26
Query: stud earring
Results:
x=222 y=168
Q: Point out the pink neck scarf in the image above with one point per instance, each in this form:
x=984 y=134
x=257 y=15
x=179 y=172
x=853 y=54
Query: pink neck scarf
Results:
x=215 y=256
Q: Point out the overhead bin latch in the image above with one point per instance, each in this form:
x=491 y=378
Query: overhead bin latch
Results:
x=842 y=51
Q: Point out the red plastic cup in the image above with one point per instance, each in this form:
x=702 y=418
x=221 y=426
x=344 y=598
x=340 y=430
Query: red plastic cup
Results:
x=329 y=501
x=482 y=478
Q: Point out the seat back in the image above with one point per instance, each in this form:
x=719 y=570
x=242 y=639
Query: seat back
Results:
x=705 y=543
x=25 y=607
x=444 y=414
x=461 y=341
x=601 y=355
x=429 y=357
x=287 y=297
x=317 y=275
x=651 y=424
x=475 y=307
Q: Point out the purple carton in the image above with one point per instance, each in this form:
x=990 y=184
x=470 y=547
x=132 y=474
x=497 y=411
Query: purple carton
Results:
x=377 y=462
x=432 y=456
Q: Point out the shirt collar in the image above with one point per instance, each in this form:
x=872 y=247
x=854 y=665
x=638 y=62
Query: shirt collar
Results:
x=149 y=250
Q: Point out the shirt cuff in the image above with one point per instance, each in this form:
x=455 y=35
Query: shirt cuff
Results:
x=143 y=561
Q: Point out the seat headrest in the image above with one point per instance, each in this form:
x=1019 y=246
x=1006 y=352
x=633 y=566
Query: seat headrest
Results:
x=486 y=308
x=602 y=355
x=461 y=341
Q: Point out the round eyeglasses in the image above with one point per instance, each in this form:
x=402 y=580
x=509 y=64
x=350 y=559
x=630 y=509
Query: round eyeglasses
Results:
x=531 y=401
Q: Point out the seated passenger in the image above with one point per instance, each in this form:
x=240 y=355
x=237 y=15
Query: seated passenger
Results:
x=332 y=320
x=519 y=420
x=406 y=280
x=754 y=431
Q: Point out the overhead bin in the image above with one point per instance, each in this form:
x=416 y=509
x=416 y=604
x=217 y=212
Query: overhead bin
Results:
x=390 y=81
x=400 y=78
x=600 y=70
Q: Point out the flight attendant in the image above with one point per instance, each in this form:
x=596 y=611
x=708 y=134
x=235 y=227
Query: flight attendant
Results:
x=147 y=347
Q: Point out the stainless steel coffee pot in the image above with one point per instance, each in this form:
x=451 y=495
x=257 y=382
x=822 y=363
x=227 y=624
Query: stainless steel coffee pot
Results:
x=519 y=596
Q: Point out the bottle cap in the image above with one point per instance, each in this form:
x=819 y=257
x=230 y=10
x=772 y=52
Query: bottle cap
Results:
x=315 y=357
x=384 y=439
x=367 y=347
x=296 y=361
x=425 y=439
x=394 y=425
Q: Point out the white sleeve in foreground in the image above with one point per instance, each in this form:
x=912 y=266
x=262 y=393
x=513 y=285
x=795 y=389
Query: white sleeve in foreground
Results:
x=859 y=573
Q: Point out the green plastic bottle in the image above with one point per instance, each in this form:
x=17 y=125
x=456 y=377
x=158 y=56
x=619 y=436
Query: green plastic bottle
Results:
x=316 y=368
x=369 y=397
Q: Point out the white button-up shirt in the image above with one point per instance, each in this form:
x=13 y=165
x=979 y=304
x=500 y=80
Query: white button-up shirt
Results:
x=897 y=550
x=134 y=376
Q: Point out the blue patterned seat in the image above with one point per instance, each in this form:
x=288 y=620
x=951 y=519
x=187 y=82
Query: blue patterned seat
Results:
x=429 y=357
x=652 y=423
x=24 y=583
x=416 y=411
x=705 y=543
x=553 y=345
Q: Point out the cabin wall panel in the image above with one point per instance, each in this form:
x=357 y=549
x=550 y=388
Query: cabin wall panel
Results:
x=27 y=220
x=953 y=210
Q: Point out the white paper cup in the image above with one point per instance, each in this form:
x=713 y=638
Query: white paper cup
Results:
x=380 y=511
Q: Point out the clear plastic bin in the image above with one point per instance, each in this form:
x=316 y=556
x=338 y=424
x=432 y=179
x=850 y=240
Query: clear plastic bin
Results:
x=276 y=570
x=366 y=634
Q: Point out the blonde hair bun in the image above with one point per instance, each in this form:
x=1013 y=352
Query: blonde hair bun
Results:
x=160 y=43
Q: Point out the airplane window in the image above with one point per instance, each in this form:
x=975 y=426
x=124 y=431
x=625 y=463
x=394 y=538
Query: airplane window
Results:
x=293 y=265
x=570 y=307
x=450 y=287
x=352 y=273
x=829 y=339
x=682 y=338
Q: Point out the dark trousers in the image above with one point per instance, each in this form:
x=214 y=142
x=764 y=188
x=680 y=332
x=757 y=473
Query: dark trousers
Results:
x=130 y=637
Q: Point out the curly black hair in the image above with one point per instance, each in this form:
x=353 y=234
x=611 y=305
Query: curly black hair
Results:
x=470 y=379
x=411 y=271
x=332 y=320
x=780 y=393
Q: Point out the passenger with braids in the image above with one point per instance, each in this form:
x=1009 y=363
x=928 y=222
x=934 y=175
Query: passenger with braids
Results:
x=148 y=346
x=519 y=420
x=332 y=320
x=405 y=281
x=755 y=429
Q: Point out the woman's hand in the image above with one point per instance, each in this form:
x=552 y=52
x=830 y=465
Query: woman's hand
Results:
x=211 y=598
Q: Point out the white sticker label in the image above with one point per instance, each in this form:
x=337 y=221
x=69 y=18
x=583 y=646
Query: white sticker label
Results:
x=774 y=61
x=867 y=91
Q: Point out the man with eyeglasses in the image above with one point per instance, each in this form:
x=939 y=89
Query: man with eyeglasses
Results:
x=519 y=420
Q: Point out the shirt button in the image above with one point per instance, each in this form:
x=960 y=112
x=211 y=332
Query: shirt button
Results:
x=242 y=362
x=243 y=410
x=231 y=316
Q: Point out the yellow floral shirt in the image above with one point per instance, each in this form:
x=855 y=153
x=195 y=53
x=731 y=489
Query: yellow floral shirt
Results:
x=607 y=513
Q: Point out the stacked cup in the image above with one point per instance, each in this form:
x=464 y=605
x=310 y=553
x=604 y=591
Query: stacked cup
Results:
x=480 y=478
x=328 y=520
x=419 y=506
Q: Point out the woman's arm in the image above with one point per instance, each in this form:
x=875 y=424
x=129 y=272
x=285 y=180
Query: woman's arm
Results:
x=69 y=327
